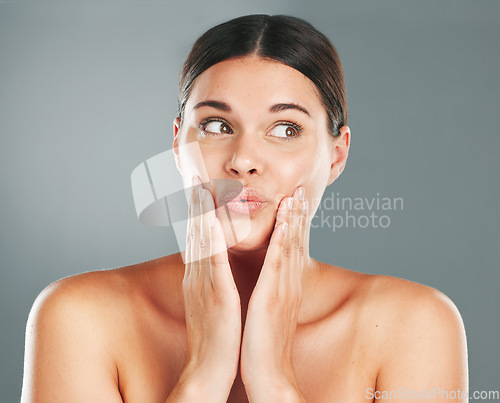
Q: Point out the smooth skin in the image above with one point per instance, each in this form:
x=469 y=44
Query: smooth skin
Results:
x=261 y=321
x=213 y=306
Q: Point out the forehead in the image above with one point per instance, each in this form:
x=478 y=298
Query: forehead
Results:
x=255 y=82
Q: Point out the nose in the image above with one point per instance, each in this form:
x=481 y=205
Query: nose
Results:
x=245 y=158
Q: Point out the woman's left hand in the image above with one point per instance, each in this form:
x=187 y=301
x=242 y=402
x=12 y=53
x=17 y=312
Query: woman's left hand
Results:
x=271 y=321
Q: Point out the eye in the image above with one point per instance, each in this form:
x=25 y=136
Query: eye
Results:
x=286 y=130
x=214 y=127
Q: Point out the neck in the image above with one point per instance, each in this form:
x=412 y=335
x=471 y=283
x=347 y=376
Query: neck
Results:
x=246 y=266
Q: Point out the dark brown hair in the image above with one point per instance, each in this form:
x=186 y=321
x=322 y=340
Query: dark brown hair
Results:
x=289 y=40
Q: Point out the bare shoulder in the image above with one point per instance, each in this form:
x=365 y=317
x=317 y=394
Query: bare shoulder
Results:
x=89 y=296
x=413 y=334
x=405 y=297
x=410 y=307
x=396 y=307
x=104 y=293
x=417 y=333
x=385 y=299
x=71 y=338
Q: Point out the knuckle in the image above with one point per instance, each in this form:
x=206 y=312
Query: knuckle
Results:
x=298 y=246
x=194 y=195
x=203 y=242
x=287 y=251
x=193 y=231
x=278 y=265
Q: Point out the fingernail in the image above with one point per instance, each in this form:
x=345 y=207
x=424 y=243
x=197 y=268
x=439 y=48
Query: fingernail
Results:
x=289 y=203
x=202 y=194
x=211 y=221
x=283 y=227
x=300 y=193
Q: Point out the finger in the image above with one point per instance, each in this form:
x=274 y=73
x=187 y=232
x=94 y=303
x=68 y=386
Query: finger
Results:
x=206 y=211
x=273 y=262
x=296 y=234
x=220 y=269
x=297 y=274
x=303 y=213
x=204 y=247
x=289 y=249
x=295 y=222
x=195 y=228
x=283 y=212
x=293 y=250
x=187 y=255
x=188 y=258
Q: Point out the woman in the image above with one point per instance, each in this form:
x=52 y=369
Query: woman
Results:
x=264 y=99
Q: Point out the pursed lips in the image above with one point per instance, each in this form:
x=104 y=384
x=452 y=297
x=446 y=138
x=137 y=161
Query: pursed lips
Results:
x=245 y=194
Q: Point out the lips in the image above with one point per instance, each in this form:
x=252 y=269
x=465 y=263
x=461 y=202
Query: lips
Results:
x=243 y=200
x=245 y=194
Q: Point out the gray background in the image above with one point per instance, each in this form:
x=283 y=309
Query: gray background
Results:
x=88 y=92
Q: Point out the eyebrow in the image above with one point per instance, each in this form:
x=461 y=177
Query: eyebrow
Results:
x=222 y=106
x=284 y=107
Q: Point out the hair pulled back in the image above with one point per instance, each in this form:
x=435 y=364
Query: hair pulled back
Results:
x=285 y=39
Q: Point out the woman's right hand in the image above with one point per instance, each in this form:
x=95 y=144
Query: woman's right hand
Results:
x=211 y=301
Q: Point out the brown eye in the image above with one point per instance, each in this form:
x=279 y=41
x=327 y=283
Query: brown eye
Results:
x=285 y=131
x=216 y=127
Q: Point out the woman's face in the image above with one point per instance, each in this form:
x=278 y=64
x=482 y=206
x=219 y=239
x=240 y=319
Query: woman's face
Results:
x=259 y=124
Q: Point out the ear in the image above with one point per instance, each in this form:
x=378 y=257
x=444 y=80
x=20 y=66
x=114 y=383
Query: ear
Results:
x=175 y=145
x=340 y=152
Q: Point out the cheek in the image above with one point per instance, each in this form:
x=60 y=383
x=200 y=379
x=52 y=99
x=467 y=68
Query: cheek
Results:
x=192 y=162
x=315 y=179
x=310 y=173
x=288 y=173
x=213 y=162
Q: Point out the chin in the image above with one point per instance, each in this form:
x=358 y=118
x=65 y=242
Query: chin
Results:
x=246 y=235
x=243 y=232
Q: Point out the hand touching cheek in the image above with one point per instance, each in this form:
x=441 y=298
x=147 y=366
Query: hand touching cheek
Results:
x=266 y=355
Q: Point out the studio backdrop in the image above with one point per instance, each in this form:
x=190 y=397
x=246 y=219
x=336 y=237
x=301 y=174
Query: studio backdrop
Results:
x=88 y=92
